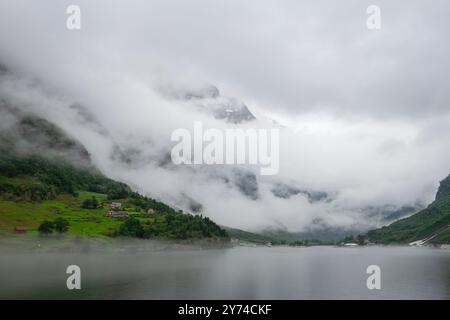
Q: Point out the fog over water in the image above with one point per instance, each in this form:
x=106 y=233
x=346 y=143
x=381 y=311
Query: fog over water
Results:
x=239 y=273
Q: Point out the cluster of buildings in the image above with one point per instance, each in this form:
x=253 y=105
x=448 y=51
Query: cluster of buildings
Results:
x=114 y=212
x=117 y=212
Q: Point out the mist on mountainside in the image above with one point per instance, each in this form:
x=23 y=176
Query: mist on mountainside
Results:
x=361 y=145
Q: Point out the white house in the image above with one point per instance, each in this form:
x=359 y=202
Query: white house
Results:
x=116 y=205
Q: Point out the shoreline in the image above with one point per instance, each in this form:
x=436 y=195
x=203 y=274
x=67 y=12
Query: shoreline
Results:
x=34 y=243
x=78 y=244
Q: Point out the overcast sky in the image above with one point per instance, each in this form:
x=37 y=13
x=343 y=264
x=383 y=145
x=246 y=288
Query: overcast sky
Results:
x=368 y=110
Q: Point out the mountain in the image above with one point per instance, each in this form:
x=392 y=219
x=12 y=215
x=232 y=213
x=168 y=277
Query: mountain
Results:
x=47 y=175
x=431 y=224
x=123 y=152
x=207 y=98
x=444 y=189
x=24 y=134
x=284 y=191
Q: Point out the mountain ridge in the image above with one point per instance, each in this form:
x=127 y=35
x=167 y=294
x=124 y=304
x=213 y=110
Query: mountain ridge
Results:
x=37 y=183
x=420 y=225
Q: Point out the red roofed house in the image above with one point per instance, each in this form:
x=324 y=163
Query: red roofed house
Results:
x=20 y=229
x=117 y=214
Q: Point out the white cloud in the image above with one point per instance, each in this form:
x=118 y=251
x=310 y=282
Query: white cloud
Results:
x=367 y=111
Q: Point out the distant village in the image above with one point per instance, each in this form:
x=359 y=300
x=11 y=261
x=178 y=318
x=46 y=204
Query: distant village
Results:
x=116 y=211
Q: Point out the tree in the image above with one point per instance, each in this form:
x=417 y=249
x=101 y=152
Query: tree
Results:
x=131 y=228
x=361 y=239
x=90 y=203
x=46 y=227
x=349 y=238
x=94 y=202
x=86 y=204
x=61 y=225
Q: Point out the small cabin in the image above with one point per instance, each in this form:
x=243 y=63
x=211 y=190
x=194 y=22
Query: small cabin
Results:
x=117 y=214
x=116 y=205
x=20 y=230
x=150 y=212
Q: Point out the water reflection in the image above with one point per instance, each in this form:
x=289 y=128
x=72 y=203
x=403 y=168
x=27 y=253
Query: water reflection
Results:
x=239 y=273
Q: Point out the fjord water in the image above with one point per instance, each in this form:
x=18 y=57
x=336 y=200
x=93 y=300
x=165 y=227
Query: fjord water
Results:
x=237 y=273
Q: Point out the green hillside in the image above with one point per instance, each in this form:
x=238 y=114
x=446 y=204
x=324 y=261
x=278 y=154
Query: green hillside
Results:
x=420 y=225
x=34 y=190
x=47 y=177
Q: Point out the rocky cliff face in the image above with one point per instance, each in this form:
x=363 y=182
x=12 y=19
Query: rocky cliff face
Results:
x=444 y=189
x=209 y=100
x=26 y=134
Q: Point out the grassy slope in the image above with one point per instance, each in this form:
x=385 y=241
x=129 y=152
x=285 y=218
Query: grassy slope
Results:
x=83 y=222
x=47 y=175
x=444 y=238
x=420 y=225
x=33 y=189
x=88 y=222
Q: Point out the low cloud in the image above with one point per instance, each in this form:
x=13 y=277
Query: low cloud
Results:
x=363 y=115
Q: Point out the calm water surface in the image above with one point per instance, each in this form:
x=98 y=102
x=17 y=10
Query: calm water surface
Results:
x=238 y=273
